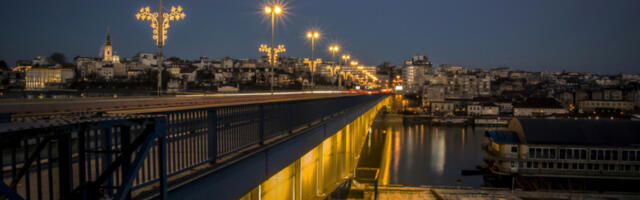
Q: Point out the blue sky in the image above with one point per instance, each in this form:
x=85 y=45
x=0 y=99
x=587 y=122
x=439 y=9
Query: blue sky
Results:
x=538 y=35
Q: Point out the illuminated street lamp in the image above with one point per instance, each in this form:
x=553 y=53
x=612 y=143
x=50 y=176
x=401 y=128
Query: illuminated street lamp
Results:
x=346 y=58
x=160 y=25
x=312 y=66
x=334 y=49
x=313 y=35
x=273 y=10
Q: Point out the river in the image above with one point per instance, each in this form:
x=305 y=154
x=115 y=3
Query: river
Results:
x=421 y=154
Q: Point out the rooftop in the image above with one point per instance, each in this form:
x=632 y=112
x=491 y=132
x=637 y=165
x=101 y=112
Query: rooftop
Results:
x=577 y=132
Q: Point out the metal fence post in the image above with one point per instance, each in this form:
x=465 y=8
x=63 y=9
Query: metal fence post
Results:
x=212 y=117
x=107 y=150
x=161 y=133
x=125 y=139
x=261 y=124
x=65 y=164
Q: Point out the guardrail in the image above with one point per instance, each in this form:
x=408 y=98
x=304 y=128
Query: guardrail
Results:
x=77 y=158
x=111 y=158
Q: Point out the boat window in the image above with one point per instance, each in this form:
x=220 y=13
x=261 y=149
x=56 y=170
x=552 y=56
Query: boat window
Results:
x=562 y=153
x=625 y=155
x=538 y=153
x=583 y=154
x=552 y=153
x=531 y=153
x=514 y=149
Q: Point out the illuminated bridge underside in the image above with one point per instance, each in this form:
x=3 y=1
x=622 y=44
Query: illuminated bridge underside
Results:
x=291 y=168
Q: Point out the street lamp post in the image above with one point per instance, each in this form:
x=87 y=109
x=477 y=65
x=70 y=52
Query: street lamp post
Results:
x=160 y=25
x=346 y=58
x=334 y=49
x=273 y=10
x=313 y=36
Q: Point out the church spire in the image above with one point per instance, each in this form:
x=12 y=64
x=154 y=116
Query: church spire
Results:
x=108 y=42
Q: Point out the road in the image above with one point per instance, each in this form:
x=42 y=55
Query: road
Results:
x=30 y=108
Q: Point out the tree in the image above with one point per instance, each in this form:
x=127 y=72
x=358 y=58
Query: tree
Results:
x=3 y=65
x=58 y=58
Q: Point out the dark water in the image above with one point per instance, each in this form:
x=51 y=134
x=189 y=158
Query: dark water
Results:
x=431 y=155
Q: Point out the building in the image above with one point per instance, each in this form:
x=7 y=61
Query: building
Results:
x=413 y=74
x=587 y=106
x=483 y=109
x=566 y=148
x=38 y=78
x=107 y=53
x=538 y=107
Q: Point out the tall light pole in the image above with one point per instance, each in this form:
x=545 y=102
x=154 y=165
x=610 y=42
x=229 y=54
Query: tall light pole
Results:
x=160 y=25
x=313 y=35
x=273 y=10
x=334 y=49
x=345 y=57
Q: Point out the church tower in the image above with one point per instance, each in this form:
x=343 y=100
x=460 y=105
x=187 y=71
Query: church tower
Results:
x=108 y=49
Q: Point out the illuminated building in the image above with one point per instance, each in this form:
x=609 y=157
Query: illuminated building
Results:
x=47 y=77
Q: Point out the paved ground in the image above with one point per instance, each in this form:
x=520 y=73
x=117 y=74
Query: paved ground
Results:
x=453 y=193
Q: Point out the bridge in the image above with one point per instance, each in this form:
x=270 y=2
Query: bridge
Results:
x=294 y=146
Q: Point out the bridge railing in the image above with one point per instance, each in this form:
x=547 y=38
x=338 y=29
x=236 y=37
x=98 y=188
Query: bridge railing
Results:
x=191 y=140
x=111 y=157
x=77 y=158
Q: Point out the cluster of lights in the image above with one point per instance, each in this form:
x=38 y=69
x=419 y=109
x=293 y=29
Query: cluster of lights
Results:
x=272 y=54
x=145 y=14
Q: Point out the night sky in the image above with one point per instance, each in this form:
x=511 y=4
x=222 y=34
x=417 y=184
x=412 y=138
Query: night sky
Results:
x=537 y=35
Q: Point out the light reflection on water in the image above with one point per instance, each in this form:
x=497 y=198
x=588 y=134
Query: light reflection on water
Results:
x=432 y=155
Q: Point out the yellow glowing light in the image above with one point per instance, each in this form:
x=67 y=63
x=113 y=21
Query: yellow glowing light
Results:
x=277 y=9
x=309 y=35
x=267 y=10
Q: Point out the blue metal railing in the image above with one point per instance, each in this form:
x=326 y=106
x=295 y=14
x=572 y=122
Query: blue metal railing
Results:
x=104 y=162
x=82 y=158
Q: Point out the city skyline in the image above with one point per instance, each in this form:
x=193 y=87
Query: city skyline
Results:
x=591 y=36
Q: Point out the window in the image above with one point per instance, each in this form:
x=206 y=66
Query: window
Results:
x=625 y=155
x=593 y=154
x=574 y=166
x=581 y=166
x=589 y=166
x=576 y=154
x=569 y=154
x=632 y=155
x=531 y=153
x=514 y=149
x=562 y=153
x=550 y=165
x=538 y=153
x=596 y=166
x=528 y=164
x=600 y=155
x=520 y=164
x=513 y=164
x=583 y=154
x=614 y=155
x=545 y=153
x=605 y=167
x=607 y=154
x=565 y=165
x=552 y=153
x=544 y=165
x=535 y=165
